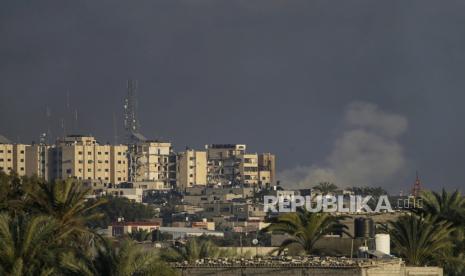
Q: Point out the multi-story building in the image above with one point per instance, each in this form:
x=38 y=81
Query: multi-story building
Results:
x=83 y=158
x=223 y=163
x=191 y=169
x=249 y=169
x=156 y=162
x=39 y=161
x=266 y=169
x=12 y=157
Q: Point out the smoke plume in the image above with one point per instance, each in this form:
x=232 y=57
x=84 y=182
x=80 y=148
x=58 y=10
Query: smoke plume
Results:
x=367 y=153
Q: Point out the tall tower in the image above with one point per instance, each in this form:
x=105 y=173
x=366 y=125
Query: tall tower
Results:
x=131 y=126
x=416 y=187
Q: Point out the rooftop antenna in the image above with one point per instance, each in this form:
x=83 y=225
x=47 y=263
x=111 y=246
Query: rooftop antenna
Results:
x=76 y=125
x=131 y=126
x=115 y=130
x=48 y=115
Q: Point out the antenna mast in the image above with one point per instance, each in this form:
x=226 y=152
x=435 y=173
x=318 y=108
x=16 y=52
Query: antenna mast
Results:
x=131 y=126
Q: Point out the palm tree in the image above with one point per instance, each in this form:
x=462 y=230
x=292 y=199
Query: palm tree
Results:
x=127 y=259
x=421 y=240
x=28 y=245
x=140 y=235
x=325 y=188
x=66 y=202
x=194 y=249
x=305 y=228
x=449 y=207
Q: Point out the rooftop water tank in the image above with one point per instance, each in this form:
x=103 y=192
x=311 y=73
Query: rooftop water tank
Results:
x=383 y=243
x=364 y=228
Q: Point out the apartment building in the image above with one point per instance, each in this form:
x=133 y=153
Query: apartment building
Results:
x=39 y=161
x=156 y=162
x=83 y=158
x=12 y=157
x=266 y=169
x=223 y=163
x=191 y=169
x=249 y=169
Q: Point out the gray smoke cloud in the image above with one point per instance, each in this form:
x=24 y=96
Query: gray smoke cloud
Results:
x=368 y=152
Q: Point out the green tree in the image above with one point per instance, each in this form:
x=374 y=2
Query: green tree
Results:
x=126 y=259
x=305 y=228
x=325 y=188
x=449 y=207
x=421 y=240
x=28 y=245
x=194 y=249
x=117 y=207
x=66 y=202
x=140 y=235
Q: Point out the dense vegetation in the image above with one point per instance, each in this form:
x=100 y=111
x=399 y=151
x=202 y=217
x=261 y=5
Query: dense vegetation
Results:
x=44 y=231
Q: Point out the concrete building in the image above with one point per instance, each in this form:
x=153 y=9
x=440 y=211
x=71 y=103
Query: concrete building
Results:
x=156 y=162
x=39 y=161
x=83 y=158
x=266 y=169
x=248 y=168
x=121 y=228
x=185 y=232
x=223 y=162
x=191 y=169
x=12 y=157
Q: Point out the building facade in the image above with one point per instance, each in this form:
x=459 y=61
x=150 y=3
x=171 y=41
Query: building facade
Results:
x=13 y=158
x=191 y=169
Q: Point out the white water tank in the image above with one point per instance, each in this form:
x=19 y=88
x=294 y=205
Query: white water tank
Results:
x=383 y=243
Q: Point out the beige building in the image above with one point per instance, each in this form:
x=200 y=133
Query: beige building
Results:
x=191 y=169
x=39 y=161
x=249 y=169
x=266 y=169
x=13 y=158
x=230 y=164
x=82 y=157
x=155 y=163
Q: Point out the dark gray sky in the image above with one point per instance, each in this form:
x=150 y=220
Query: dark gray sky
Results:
x=279 y=76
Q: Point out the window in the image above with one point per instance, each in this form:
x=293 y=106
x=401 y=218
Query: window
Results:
x=69 y=171
x=9 y=151
x=21 y=160
x=89 y=153
x=22 y=152
x=99 y=153
x=80 y=152
x=106 y=161
x=1 y=159
x=119 y=178
x=106 y=153
x=106 y=170
x=119 y=161
x=80 y=161
x=9 y=160
x=21 y=169
x=89 y=161
x=89 y=170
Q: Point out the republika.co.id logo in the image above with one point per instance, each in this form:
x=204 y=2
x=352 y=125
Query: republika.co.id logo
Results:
x=327 y=203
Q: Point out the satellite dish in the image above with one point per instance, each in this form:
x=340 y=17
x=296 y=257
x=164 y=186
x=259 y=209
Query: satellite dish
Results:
x=255 y=241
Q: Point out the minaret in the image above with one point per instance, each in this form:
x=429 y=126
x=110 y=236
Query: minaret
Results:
x=416 y=187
